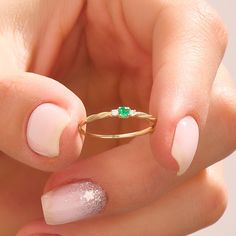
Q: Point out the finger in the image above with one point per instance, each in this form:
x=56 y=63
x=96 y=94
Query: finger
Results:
x=121 y=189
x=189 y=44
x=38 y=121
x=132 y=178
x=187 y=40
x=217 y=139
x=197 y=203
x=39 y=116
x=32 y=41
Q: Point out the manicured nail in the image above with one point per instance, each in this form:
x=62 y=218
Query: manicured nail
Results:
x=45 y=127
x=73 y=202
x=185 y=143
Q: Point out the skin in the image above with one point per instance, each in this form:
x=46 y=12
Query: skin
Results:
x=121 y=52
x=171 y=210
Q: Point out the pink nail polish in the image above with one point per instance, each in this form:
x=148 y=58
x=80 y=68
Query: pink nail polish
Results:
x=185 y=143
x=44 y=129
x=73 y=202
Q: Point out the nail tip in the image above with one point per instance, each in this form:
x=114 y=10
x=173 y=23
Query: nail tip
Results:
x=185 y=143
x=48 y=154
x=73 y=202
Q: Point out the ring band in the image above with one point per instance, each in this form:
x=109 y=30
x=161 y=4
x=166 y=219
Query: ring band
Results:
x=123 y=113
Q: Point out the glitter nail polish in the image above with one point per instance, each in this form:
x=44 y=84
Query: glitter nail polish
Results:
x=73 y=202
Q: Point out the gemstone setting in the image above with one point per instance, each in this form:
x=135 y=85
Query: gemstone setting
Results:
x=124 y=112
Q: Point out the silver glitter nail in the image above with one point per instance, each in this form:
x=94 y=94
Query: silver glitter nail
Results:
x=73 y=202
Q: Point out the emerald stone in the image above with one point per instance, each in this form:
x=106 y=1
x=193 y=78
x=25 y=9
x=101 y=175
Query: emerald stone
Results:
x=124 y=112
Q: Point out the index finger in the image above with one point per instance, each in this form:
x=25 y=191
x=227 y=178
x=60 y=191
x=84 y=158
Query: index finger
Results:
x=187 y=40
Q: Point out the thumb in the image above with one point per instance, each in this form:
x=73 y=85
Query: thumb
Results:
x=38 y=121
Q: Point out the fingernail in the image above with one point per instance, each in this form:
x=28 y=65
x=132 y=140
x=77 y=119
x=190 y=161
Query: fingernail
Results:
x=185 y=143
x=73 y=202
x=45 y=127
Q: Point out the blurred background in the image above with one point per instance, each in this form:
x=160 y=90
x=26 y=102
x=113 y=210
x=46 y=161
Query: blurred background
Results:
x=226 y=226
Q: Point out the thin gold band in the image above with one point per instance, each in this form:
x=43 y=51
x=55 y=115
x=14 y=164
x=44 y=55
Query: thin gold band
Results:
x=103 y=115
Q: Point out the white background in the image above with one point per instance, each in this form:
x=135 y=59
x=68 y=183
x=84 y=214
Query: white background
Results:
x=226 y=226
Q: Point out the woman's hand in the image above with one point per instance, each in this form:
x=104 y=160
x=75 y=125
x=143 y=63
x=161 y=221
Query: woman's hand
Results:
x=155 y=56
x=195 y=204
x=142 y=197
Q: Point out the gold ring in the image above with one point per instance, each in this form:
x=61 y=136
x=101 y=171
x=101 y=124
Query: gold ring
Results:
x=123 y=113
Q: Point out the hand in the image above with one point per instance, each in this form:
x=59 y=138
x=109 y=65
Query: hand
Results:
x=195 y=204
x=99 y=59
x=143 y=198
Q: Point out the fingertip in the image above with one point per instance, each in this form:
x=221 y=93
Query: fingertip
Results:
x=39 y=122
x=52 y=134
x=175 y=143
x=161 y=142
x=72 y=140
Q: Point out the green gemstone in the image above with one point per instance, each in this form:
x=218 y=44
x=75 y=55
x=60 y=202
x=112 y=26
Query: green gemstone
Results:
x=124 y=112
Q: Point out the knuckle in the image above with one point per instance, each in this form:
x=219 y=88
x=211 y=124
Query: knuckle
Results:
x=213 y=199
x=212 y=22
